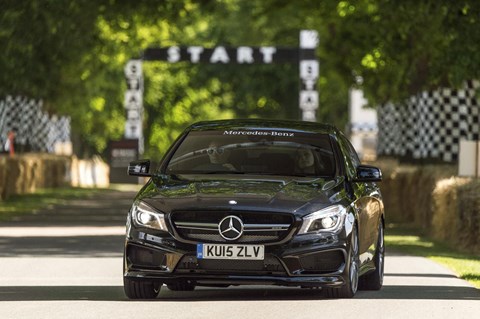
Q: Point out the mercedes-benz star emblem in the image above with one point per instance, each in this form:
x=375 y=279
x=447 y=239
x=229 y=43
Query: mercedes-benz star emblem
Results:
x=230 y=228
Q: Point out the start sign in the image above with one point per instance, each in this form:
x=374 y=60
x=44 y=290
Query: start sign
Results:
x=304 y=56
x=221 y=54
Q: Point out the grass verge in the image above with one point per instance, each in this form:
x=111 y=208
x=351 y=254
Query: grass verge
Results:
x=409 y=240
x=42 y=199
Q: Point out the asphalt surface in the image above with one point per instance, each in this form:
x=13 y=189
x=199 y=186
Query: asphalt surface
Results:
x=66 y=262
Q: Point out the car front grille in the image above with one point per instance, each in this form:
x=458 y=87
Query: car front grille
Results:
x=259 y=227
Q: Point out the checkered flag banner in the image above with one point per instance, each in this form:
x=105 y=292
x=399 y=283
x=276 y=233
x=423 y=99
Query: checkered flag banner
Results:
x=430 y=124
x=33 y=127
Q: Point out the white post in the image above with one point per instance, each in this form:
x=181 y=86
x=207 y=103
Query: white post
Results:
x=309 y=72
x=134 y=102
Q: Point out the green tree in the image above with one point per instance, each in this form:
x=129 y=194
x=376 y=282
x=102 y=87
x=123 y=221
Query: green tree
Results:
x=401 y=48
x=71 y=54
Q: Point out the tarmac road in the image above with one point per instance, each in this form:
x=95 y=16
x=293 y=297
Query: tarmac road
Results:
x=65 y=262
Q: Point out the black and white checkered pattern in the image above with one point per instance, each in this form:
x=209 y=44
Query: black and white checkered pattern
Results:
x=32 y=126
x=431 y=124
x=389 y=129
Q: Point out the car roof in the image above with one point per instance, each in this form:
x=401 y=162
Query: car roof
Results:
x=251 y=124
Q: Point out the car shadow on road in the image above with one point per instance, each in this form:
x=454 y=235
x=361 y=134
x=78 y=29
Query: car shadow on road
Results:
x=52 y=293
x=387 y=292
x=115 y=293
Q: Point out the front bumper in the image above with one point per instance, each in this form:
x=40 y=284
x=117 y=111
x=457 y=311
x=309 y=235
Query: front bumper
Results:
x=307 y=261
x=225 y=280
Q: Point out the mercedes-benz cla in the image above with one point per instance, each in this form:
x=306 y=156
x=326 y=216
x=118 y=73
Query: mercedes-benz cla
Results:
x=262 y=202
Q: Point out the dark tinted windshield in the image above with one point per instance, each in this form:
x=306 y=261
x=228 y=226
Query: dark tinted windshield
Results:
x=266 y=152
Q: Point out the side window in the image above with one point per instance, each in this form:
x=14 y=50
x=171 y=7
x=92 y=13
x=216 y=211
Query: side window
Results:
x=350 y=156
x=353 y=154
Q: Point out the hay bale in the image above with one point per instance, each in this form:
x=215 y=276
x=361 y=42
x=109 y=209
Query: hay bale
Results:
x=468 y=216
x=397 y=185
x=30 y=175
x=407 y=191
x=3 y=175
x=101 y=172
x=89 y=173
x=444 y=209
x=25 y=173
x=430 y=176
x=13 y=172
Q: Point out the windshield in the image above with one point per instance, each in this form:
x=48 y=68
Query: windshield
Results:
x=254 y=152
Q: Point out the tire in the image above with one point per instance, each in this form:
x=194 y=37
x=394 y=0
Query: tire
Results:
x=374 y=280
x=181 y=286
x=141 y=289
x=351 y=286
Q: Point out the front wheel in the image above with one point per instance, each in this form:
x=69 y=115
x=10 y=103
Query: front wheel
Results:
x=141 y=289
x=351 y=286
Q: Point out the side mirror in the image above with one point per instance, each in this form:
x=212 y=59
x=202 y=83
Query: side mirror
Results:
x=366 y=173
x=139 y=168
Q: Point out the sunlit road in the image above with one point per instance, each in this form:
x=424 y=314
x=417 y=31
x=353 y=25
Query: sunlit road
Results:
x=66 y=263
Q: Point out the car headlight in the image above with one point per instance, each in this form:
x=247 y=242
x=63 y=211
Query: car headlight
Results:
x=327 y=219
x=145 y=216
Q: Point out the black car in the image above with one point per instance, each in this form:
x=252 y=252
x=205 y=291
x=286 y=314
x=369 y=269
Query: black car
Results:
x=263 y=202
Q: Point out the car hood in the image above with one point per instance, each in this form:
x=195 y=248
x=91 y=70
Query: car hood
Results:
x=194 y=192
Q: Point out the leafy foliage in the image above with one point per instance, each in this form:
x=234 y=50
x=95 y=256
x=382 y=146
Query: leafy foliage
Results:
x=71 y=54
x=402 y=48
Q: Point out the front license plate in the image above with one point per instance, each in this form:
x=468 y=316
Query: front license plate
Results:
x=221 y=251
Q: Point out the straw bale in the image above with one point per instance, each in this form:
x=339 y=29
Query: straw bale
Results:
x=468 y=223
x=3 y=173
x=13 y=172
x=445 y=208
x=25 y=173
x=407 y=191
x=395 y=187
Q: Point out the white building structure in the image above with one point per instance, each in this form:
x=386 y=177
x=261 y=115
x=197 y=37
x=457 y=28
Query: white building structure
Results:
x=363 y=126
